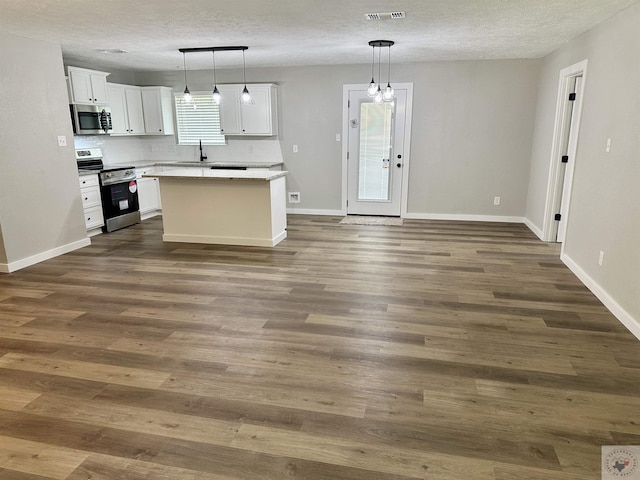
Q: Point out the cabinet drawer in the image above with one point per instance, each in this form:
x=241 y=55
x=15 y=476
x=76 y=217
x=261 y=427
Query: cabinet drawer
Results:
x=88 y=181
x=90 y=197
x=93 y=217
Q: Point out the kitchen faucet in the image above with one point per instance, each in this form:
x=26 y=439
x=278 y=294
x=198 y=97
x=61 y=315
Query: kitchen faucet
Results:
x=203 y=156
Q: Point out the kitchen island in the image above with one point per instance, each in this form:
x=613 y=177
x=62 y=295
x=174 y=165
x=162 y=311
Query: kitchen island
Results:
x=231 y=207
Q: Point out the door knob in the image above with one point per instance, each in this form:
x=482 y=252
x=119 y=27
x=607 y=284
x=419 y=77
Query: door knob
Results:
x=398 y=165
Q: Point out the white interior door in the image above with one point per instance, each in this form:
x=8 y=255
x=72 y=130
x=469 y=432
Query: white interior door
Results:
x=376 y=136
x=569 y=143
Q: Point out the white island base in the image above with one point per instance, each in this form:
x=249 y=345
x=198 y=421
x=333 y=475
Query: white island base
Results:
x=229 y=208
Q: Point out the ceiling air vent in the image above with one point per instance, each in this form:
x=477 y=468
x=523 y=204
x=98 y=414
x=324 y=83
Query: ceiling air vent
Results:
x=385 y=16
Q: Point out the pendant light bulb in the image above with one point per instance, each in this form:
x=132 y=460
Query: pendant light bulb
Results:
x=373 y=87
x=388 y=94
x=216 y=95
x=378 y=97
x=246 y=96
x=187 y=95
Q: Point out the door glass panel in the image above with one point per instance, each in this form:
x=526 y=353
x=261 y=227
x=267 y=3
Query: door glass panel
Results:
x=374 y=174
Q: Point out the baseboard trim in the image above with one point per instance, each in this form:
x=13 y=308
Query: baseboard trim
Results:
x=632 y=324
x=151 y=214
x=311 y=211
x=247 y=241
x=41 y=257
x=537 y=231
x=463 y=217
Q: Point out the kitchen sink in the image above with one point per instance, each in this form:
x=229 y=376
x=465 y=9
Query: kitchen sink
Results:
x=222 y=167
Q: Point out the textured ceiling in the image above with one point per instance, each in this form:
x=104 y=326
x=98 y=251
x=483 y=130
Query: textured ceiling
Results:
x=299 y=32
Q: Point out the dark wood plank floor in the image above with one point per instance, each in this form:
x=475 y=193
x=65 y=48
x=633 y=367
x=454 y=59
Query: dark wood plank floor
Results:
x=435 y=350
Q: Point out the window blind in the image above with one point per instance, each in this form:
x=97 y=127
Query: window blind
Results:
x=198 y=120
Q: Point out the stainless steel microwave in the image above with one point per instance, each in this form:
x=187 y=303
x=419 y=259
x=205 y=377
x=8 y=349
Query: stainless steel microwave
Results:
x=91 y=119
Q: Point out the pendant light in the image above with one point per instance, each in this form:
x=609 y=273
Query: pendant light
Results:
x=187 y=94
x=373 y=88
x=216 y=93
x=388 y=94
x=245 y=97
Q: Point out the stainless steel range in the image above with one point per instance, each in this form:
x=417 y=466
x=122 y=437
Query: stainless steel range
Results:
x=118 y=188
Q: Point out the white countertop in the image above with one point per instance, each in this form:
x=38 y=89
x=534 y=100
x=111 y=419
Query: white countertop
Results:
x=207 y=173
x=221 y=164
x=169 y=163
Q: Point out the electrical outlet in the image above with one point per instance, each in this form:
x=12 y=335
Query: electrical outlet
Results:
x=496 y=200
x=338 y=137
x=62 y=141
x=294 y=197
x=601 y=258
x=295 y=149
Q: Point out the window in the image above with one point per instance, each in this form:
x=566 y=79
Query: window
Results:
x=198 y=120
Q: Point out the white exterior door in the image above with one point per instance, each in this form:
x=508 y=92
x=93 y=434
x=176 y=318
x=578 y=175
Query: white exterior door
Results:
x=375 y=153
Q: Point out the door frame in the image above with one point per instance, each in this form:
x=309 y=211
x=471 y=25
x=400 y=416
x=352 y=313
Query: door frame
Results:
x=406 y=154
x=560 y=126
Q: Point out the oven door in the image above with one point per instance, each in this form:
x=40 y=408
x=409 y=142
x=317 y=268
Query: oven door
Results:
x=119 y=199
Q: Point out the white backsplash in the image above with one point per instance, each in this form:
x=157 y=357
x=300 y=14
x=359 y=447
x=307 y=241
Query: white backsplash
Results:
x=134 y=150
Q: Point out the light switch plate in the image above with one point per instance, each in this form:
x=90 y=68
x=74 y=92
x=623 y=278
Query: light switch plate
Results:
x=295 y=149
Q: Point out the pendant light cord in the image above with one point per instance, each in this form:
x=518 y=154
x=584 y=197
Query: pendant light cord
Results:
x=379 y=75
x=213 y=55
x=373 y=60
x=184 y=64
x=389 y=69
x=244 y=70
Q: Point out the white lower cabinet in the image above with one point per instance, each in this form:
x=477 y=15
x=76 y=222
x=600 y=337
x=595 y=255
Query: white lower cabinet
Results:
x=148 y=193
x=91 y=203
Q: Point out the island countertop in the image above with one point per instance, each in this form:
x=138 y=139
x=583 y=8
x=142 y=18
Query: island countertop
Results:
x=207 y=173
x=254 y=204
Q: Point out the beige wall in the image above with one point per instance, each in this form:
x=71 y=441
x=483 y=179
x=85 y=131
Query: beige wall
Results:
x=472 y=133
x=604 y=212
x=472 y=130
x=3 y=254
x=40 y=204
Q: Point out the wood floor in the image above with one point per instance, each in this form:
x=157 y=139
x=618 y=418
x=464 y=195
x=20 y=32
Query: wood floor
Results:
x=434 y=350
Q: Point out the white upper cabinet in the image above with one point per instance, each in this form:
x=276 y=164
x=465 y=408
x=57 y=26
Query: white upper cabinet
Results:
x=230 y=123
x=87 y=86
x=126 y=109
x=256 y=118
x=157 y=105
